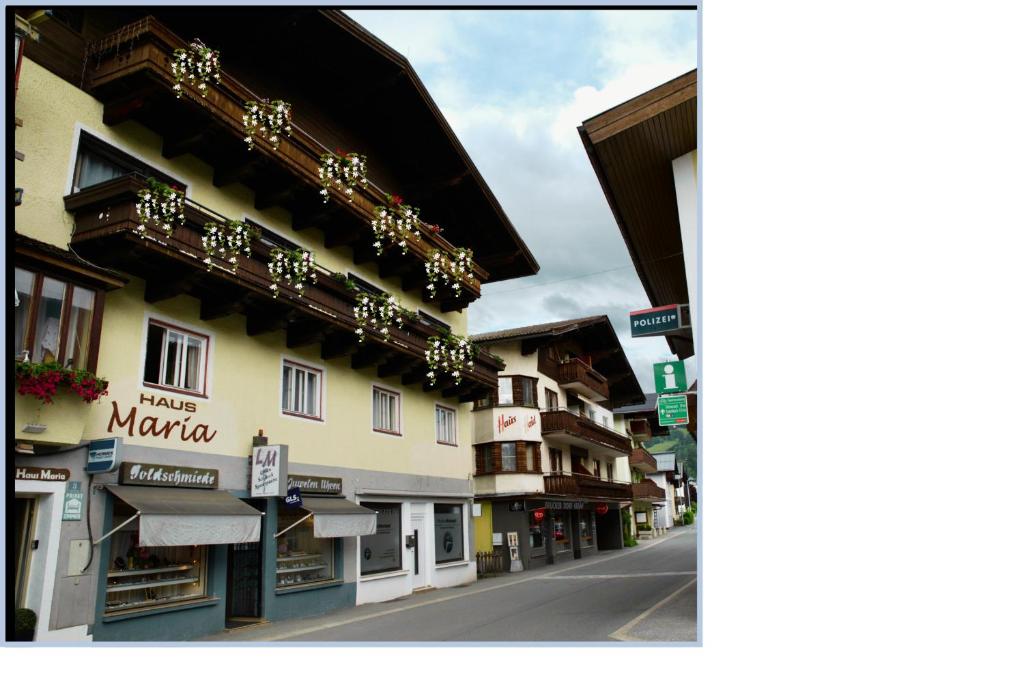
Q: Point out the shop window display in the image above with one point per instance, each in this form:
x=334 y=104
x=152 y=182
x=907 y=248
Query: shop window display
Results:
x=536 y=534
x=560 y=532
x=448 y=532
x=143 y=577
x=382 y=551
x=586 y=530
x=302 y=558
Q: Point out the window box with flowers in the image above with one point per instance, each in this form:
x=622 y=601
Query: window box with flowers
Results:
x=228 y=242
x=55 y=398
x=395 y=223
x=161 y=206
x=441 y=267
x=449 y=355
x=199 y=64
x=268 y=120
x=294 y=266
x=344 y=171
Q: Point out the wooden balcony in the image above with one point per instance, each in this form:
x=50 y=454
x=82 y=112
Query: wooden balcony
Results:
x=578 y=485
x=642 y=460
x=105 y=219
x=578 y=376
x=647 y=490
x=129 y=71
x=568 y=423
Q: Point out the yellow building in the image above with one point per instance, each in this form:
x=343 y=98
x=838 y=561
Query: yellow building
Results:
x=195 y=229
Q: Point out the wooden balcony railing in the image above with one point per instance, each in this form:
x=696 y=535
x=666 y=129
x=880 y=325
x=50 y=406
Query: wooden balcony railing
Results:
x=642 y=460
x=580 y=376
x=105 y=219
x=647 y=489
x=562 y=421
x=130 y=72
x=575 y=484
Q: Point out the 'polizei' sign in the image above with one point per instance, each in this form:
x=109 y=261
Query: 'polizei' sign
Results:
x=657 y=320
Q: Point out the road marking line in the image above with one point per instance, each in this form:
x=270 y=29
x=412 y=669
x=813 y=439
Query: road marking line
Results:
x=337 y=624
x=622 y=633
x=622 y=575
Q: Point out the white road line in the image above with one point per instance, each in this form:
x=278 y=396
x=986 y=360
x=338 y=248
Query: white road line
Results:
x=622 y=575
x=622 y=633
x=337 y=624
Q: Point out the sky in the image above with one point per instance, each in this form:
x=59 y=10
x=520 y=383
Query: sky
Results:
x=514 y=85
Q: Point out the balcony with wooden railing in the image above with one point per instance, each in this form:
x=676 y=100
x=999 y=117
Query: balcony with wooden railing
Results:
x=641 y=460
x=562 y=421
x=105 y=221
x=129 y=71
x=647 y=489
x=580 y=377
x=578 y=485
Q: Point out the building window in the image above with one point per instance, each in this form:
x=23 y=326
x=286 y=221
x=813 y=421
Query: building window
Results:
x=482 y=403
x=556 y=459
x=529 y=395
x=505 y=391
x=444 y=422
x=448 y=542
x=175 y=358
x=486 y=462
x=98 y=161
x=143 y=577
x=382 y=551
x=536 y=534
x=552 y=399
x=609 y=470
x=508 y=456
x=591 y=415
x=301 y=557
x=301 y=390
x=561 y=533
x=586 y=531
x=386 y=411
x=531 y=458
x=54 y=321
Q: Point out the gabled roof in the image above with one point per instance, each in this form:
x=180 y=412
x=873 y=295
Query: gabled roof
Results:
x=594 y=334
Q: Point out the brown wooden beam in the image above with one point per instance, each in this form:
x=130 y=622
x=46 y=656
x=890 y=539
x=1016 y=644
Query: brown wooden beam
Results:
x=370 y=355
x=225 y=174
x=215 y=308
x=450 y=305
x=305 y=332
x=273 y=198
x=396 y=264
x=263 y=321
x=338 y=344
x=398 y=366
x=364 y=252
x=337 y=236
x=124 y=109
x=180 y=142
x=159 y=289
x=417 y=375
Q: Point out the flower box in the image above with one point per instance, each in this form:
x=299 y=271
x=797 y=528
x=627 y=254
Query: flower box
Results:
x=64 y=418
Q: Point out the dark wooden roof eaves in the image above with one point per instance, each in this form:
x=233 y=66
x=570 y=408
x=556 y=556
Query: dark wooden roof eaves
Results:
x=631 y=147
x=523 y=332
x=37 y=249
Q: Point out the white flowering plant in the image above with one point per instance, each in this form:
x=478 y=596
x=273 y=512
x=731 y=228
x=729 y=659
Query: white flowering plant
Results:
x=345 y=171
x=296 y=267
x=450 y=354
x=441 y=267
x=228 y=242
x=395 y=223
x=160 y=205
x=198 y=63
x=268 y=120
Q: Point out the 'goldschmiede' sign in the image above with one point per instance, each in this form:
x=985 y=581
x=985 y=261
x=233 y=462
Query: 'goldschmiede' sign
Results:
x=168 y=476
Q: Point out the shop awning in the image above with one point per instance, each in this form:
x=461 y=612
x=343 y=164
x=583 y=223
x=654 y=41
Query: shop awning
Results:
x=179 y=516
x=334 y=517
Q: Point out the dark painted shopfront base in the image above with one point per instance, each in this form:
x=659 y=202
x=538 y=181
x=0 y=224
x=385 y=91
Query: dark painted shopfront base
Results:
x=236 y=594
x=607 y=532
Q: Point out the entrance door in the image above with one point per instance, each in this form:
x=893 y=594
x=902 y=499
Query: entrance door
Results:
x=25 y=520
x=245 y=582
x=419 y=533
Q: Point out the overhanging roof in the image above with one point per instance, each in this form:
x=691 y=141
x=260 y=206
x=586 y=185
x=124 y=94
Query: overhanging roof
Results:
x=631 y=147
x=596 y=336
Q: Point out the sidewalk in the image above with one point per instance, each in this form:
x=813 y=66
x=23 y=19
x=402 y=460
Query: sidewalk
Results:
x=263 y=632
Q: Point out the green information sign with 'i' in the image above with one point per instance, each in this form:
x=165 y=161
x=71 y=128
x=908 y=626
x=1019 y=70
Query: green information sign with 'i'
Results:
x=669 y=377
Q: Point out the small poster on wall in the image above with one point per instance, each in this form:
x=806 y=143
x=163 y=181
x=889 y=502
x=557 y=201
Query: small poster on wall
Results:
x=641 y=517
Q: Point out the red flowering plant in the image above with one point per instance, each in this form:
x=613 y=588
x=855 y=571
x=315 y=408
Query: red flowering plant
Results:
x=44 y=379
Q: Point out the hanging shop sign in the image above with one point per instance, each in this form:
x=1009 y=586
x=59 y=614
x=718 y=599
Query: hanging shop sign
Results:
x=669 y=377
x=168 y=476
x=103 y=455
x=268 y=464
x=315 y=485
x=294 y=498
x=73 y=498
x=601 y=509
x=672 y=410
x=516 y=506
x=657 y=320
x=41 y=473
x=538 y=515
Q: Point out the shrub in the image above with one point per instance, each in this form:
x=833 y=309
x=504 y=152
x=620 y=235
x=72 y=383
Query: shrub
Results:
x=687 y=517
x=630 y=542
x=643 y=526
x=24 y=625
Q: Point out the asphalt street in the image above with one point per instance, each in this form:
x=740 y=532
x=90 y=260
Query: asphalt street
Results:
x=644 y=593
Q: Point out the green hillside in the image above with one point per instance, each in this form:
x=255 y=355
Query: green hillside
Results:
x=679 y=441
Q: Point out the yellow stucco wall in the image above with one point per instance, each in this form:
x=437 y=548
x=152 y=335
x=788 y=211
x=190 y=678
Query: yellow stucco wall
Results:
x=482 y=528
x=244 y=377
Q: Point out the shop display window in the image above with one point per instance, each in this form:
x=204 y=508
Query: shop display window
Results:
x=143 y=577
x=536 y=535
x=560 y=532
x=302 y=558
x=382 y=551
x=448 y=541
x=586 y=530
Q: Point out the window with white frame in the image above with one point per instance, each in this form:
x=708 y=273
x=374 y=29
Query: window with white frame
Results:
x=504 y=391
x=508 y=456
x=386 y=411
x=301 y=390
x=444 y=420
x=175 y=358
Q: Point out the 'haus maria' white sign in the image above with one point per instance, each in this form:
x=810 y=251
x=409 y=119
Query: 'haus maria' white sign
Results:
x=269 y=466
